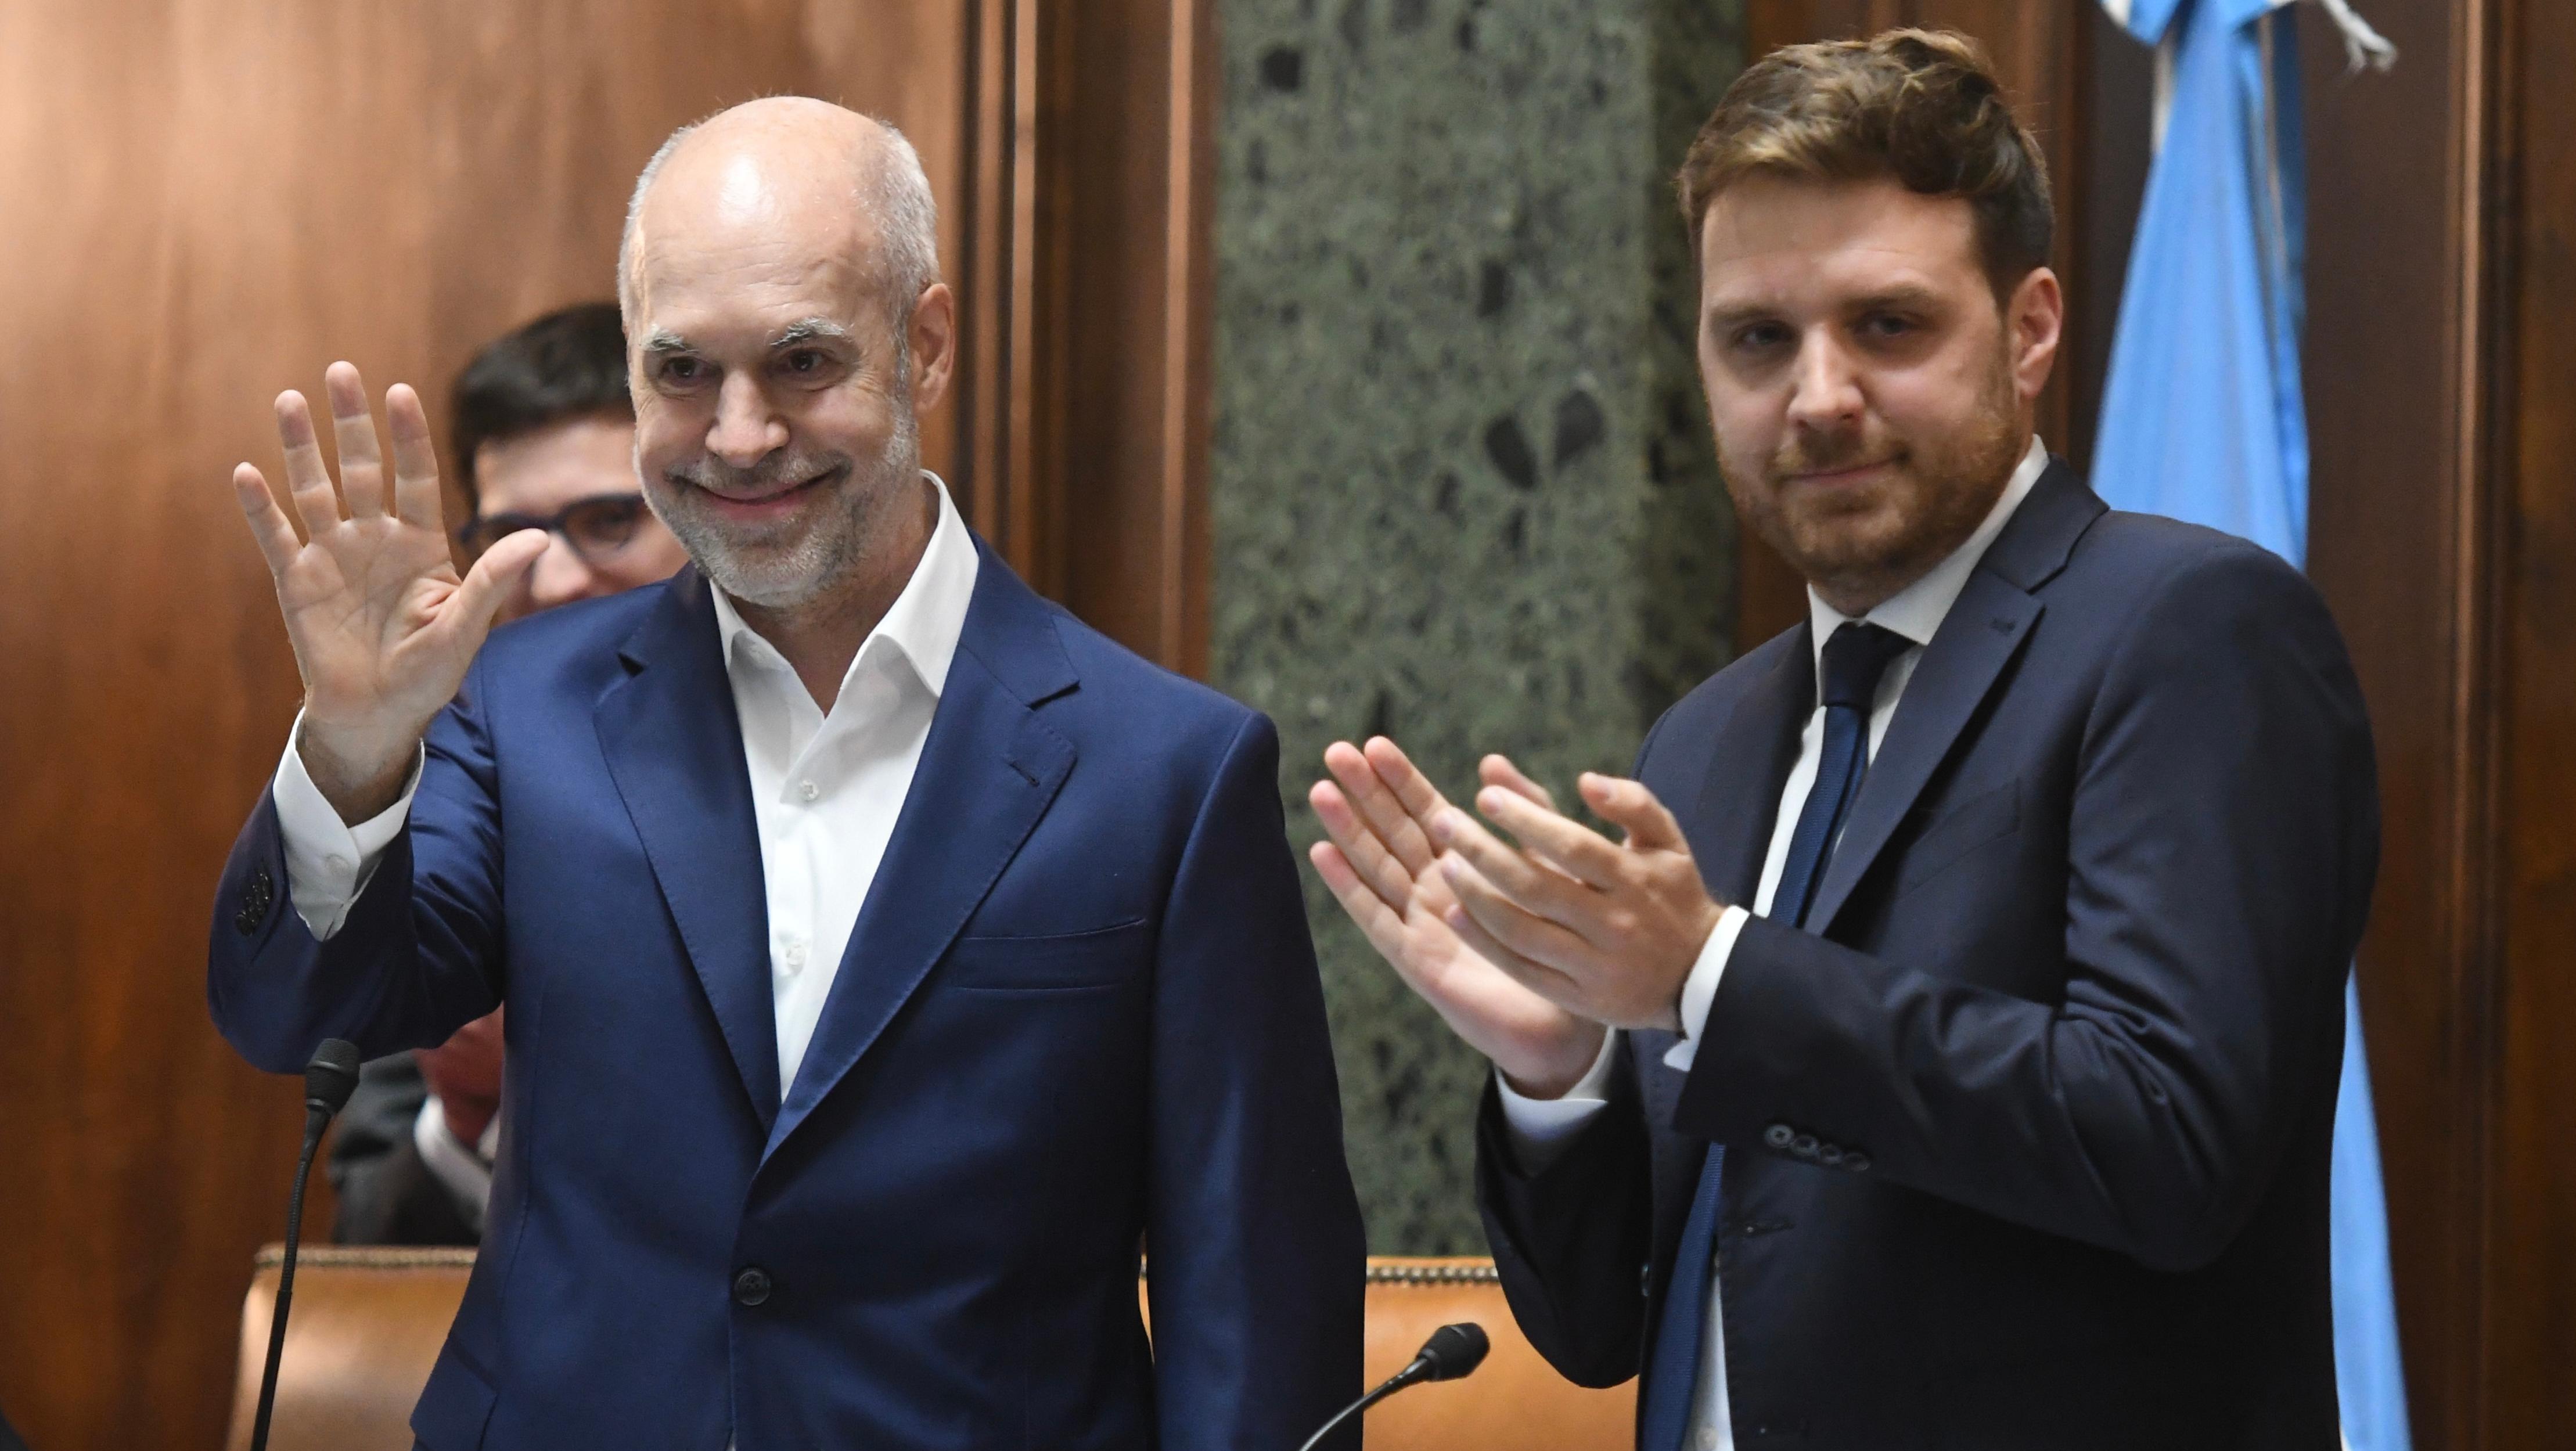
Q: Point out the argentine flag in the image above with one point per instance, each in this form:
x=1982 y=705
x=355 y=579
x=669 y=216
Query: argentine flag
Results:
x=2202 y=419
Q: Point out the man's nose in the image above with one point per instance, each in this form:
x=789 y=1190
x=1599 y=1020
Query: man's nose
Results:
x=1825 y=391
x=746 y=429
x=560 y=576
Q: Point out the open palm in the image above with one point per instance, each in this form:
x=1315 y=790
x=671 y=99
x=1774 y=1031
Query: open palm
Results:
x=382 y=626
x=1384 y=869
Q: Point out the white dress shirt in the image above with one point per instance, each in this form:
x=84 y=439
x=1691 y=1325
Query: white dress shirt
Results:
x=1538 y=1127
x=825 y=788
x=464 y=1170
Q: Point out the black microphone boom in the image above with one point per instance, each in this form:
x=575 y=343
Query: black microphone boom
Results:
x=1451 y=1352
x=328 y=1081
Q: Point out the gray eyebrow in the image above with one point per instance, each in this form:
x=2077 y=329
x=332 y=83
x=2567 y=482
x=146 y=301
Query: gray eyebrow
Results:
x=809 y=330
x=663 y=340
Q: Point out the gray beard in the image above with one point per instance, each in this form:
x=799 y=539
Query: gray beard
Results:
x=830 y=551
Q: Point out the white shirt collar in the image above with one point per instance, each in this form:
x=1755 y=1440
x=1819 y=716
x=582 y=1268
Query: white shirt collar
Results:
x=1917 y=610
x=925 y=621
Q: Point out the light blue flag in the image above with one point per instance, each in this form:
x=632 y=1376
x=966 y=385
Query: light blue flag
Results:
x=2203 y=419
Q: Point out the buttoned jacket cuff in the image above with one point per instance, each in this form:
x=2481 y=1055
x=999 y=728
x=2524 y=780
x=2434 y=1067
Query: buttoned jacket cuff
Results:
x=1699 y=990
x=329 y=862
x=1540 y=1128
x=465 y=1173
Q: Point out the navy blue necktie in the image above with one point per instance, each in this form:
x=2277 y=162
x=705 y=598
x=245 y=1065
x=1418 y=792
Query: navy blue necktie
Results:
x=1855 y=658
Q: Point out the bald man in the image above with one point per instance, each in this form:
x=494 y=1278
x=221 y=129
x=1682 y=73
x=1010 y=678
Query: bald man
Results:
x=889 y=958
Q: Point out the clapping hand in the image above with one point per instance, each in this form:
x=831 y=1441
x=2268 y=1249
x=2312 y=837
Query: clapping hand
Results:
x=1383 y=866
x=1606 y=930
x=382 y=626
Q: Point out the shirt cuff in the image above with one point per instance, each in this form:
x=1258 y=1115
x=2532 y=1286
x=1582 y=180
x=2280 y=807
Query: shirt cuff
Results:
x=328 y=861
x=465 y=1173
x=1699 y=990
x=1540 y=1128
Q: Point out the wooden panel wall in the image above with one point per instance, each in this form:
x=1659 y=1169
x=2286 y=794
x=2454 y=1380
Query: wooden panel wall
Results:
x=2531 y=1262
x=209 y=200
x=2396 y=385
x=1117 y=486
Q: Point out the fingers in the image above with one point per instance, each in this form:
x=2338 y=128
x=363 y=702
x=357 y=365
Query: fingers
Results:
x=269 y=527
x=1533 y=885
x=353 y=431
x=1634 y=808
x=1538 y=977
x=1498 y=770
x=1380 y=801
x=416 y=498
x=1359 y=848
x=1413 y=791
x=487 y=584
x=1377 y=921
x=307 y=480
x=1569 y=846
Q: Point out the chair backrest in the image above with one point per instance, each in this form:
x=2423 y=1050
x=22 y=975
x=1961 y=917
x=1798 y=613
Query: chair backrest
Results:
x=368 y=1323
x=366 y=1327
x=1514 y=1402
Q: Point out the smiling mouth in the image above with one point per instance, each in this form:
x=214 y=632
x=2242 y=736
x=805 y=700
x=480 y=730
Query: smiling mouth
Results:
x=776 y=498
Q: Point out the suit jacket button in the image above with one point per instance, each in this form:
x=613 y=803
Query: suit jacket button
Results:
x=1856 y=1161
x=751 y=1287
x=1829 y=1155
x=1646 y=1280
x=1779 y=1136
x=1804 y=1146
x=255 y=901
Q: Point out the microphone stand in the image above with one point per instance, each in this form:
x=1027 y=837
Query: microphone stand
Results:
x=328 y=1080
x=1356 y=1408
x=1451 y=1352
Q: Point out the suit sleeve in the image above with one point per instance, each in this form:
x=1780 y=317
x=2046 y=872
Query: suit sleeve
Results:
x=1572 y=1241
x=1256 y=1260
x=2222 y=839
x=417 y=956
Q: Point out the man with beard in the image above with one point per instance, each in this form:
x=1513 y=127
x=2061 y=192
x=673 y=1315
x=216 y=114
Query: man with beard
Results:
x=888 y=957
x=1947 y=1054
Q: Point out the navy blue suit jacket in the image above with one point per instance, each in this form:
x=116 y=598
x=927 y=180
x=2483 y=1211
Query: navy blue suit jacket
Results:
x=2027 y=1134
x=1079 y=1017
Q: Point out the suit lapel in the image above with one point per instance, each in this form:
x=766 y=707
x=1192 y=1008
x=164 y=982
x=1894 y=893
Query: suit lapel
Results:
x=674 y=749
x=1983 y=631
x=1730 y=827
x=988 y=772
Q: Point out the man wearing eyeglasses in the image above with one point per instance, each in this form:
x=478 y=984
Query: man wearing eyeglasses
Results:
x=545 y=439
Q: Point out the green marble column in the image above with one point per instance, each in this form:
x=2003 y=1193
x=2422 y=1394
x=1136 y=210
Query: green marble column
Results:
x=1462 y=490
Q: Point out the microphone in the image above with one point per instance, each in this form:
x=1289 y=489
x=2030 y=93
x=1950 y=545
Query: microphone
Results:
x=1451 y=1352
x=328 y=1081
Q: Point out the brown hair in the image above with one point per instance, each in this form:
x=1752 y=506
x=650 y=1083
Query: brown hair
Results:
x=1920 y=106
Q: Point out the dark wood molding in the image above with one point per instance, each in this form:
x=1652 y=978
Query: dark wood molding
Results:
x=1094 y=186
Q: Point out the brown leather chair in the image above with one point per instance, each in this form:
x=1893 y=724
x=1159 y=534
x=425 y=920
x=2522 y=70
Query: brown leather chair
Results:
x=368 y=1323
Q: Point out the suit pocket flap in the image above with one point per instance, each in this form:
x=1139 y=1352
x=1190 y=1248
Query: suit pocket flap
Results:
x=1959 y=831
x=1101 y=957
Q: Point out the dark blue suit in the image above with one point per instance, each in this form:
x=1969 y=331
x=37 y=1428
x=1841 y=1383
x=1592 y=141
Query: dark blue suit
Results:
x=1078 y=1017
x=2027 y=1134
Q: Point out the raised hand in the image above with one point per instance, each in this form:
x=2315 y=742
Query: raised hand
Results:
x=1382 y=866
x=382 y=627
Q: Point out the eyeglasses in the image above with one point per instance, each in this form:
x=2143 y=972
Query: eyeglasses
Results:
x=598 y=528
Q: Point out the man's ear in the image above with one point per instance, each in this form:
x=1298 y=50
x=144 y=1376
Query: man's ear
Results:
x=2035 y=320
x=932 y=333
